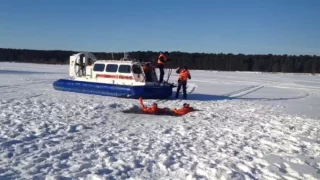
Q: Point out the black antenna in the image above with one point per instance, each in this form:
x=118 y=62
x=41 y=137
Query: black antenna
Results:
x=125 y=55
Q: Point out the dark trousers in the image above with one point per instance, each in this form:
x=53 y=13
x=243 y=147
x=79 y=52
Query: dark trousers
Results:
x=161 y=66
x=148 y=76
x=184 y=89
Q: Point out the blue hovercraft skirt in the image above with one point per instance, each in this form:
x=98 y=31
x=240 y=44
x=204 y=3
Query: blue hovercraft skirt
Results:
x=146 y=92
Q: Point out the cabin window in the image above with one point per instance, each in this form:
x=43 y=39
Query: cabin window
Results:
x=124 y=69
x=136 y=69
x=98 y=67
x=112 y=68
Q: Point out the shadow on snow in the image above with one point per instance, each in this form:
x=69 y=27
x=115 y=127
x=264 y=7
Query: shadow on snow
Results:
x=242 y=92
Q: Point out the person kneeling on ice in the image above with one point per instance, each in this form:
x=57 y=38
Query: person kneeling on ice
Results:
x=184 y=110
x=154 y=109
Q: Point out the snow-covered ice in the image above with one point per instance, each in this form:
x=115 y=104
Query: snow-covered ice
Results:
x=252 y=126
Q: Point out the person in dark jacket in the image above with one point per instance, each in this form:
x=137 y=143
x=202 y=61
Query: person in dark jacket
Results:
x=184 y=75
x=148 y=72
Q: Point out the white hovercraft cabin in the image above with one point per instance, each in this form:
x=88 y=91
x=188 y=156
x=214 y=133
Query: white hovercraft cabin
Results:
x=126 y=71
x=119 y=78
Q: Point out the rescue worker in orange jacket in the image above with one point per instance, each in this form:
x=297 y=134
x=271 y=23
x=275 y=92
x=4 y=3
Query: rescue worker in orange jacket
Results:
x=154 y=109
x=184 y=110
x=162 y=60
x=184 y=75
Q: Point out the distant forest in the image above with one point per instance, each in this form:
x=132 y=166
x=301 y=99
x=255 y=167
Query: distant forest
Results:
x=196 y=61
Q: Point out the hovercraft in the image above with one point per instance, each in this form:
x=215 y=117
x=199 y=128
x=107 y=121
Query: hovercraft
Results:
x=117 y=78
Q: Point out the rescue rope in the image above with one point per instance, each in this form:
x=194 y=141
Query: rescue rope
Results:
x=169 y=74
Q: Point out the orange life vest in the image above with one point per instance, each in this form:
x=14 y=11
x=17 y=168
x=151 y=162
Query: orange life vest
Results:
x=183 y=75
x=182 y=111
x=151 y=110
x=164 y=58
x=145 y=68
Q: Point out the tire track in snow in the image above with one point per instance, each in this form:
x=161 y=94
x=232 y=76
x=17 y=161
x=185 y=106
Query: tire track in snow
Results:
x=26 y=84
x=270 y=83
x=246 y=92
x=239 y=92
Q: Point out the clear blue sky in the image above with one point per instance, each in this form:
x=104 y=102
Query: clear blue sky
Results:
x=214 y=26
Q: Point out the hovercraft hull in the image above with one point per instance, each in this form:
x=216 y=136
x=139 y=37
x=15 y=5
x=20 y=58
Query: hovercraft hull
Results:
x=146 y=92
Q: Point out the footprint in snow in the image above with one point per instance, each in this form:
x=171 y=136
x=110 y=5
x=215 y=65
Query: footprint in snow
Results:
x=76 y=128
x=168 y=131
x=115 y=105
x=104 y=171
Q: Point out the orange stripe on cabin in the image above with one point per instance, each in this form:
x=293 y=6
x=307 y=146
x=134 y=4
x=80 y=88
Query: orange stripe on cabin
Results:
x=107 y=76
x=114 y=76
x=125 y=77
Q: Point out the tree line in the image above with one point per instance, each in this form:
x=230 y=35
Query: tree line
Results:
x=196 y=61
